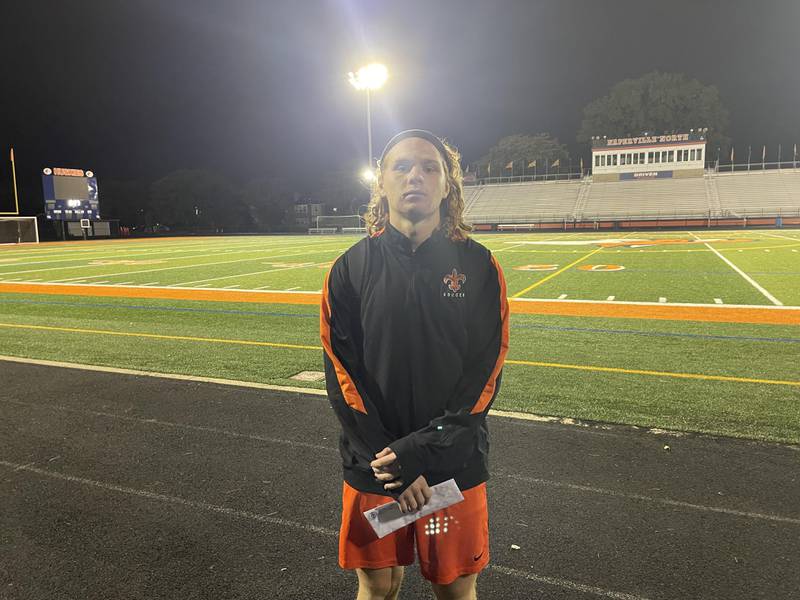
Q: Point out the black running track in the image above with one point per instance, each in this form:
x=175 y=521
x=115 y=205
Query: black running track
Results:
x=124 y=486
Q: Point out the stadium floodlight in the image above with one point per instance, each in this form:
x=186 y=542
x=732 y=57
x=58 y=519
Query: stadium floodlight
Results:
x=370 y=77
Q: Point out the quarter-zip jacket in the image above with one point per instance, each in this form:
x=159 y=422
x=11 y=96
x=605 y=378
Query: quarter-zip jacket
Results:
x=414 y=344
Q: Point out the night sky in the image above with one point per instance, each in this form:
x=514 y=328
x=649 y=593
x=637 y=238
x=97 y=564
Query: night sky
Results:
x=137 y=89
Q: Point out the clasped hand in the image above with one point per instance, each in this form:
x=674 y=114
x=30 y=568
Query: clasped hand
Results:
x=387 y=470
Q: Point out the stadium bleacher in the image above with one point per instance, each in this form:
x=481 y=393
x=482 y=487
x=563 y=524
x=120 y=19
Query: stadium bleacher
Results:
x=522 y=202
x=758 y=194
x=713 y=195
x=647 y=199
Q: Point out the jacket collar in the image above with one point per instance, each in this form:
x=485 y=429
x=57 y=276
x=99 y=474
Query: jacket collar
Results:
x=399 y=241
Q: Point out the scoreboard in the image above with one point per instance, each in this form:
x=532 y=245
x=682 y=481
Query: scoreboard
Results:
x=70 y=194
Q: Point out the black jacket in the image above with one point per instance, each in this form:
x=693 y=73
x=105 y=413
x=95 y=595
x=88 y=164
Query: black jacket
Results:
x=414 y=347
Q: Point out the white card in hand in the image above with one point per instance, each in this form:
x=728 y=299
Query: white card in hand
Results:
x=387 y=518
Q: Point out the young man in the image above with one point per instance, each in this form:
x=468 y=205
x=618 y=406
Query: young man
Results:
x=414 y=323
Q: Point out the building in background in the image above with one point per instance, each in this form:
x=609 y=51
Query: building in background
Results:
x=649 y=156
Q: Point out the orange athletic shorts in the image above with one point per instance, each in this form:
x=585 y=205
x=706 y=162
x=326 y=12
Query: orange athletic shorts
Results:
x=450 y=543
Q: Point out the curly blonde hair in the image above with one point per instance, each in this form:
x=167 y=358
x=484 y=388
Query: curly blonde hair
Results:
x=451 y=210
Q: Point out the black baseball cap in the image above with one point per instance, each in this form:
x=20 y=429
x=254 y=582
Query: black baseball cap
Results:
x=417 y=133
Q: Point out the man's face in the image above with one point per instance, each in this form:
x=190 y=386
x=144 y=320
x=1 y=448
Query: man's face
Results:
x=414 y=179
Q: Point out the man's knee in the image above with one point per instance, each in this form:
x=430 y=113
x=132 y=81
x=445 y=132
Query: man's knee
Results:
x=463 y=588
x=378 y=583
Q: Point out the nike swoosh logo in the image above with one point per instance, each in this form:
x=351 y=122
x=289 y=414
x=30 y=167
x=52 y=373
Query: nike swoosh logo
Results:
x=477 y=558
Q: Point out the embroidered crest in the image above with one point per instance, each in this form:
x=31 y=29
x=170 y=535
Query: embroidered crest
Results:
x=454 y=280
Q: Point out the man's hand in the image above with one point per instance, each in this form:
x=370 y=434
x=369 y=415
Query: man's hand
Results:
x=386 y=468
x=417 y=495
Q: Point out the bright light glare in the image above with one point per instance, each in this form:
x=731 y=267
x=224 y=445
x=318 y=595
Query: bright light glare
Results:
x=368 y=174
x=371 y=77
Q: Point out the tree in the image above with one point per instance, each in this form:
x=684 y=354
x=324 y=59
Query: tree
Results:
x=521 y=150
x=268 y=201
x=657 y=103
x=199 y=200
x=341 y=190
x=124 y=200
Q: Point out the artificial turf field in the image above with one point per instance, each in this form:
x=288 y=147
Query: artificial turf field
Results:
x=618 y=327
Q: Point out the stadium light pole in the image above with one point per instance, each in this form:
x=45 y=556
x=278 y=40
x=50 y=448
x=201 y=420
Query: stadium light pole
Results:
x=369 y=78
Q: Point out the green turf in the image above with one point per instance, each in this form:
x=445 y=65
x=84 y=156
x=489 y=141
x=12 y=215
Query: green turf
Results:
x=755 y=410
x=687 y=271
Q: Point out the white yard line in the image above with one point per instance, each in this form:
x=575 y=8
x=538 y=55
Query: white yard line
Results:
x=777 y=235
x=222 y=262
x=746 y=277
x=610 y=298
x=662 y=300
x=124 y=273
x=228 y=287
x=508 y=248
x=718 y=300
x=301 y=266
x=562 y=296
x=263 y=287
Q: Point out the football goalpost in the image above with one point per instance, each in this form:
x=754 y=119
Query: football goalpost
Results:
x=13 y=228
x=329 y=224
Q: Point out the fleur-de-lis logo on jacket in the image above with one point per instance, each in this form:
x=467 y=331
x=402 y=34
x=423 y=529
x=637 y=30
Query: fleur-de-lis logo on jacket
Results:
x=454 y=280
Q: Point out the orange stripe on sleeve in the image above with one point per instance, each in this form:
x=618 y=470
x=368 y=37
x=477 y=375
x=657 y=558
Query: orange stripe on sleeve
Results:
x=488 y=390
x=346 y=383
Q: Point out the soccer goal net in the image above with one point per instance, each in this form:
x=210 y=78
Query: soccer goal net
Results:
x=341 y=222
x=17 y=230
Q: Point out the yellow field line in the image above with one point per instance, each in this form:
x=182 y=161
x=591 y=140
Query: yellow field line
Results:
x=653 y=373
x=541 y=281
x=160 y=337
x=509 y=362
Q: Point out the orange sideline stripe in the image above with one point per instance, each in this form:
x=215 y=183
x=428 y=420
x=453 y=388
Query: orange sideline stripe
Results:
x=718 y=314
x=165 y=293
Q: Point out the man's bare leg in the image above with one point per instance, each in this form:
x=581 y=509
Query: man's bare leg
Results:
x=379 y=584
x=463 y=588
